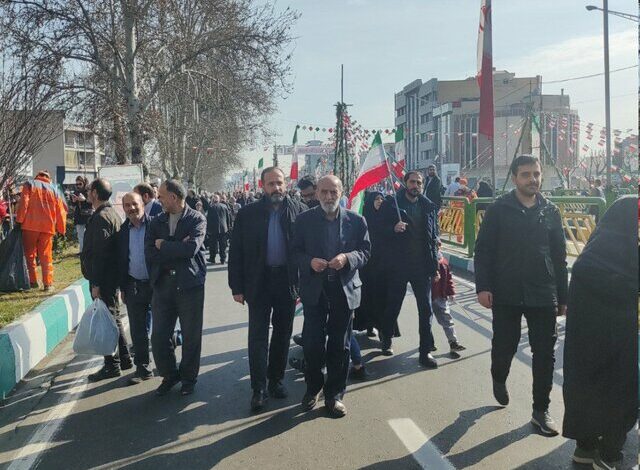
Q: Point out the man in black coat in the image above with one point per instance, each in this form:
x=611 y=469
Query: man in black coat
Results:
x=307 y=186
x=433 y=186
x=174 y=250
x=411 y=257
x=521 y=269
x=218 y=226
x=97 y=260
x=263 y=273
x=331 y=245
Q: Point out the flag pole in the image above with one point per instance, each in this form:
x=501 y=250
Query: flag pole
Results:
x=393 y=188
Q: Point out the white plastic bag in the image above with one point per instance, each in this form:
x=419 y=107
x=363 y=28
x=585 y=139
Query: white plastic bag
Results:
x=97 y=333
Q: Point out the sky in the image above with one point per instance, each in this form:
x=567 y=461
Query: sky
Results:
x=385 y=44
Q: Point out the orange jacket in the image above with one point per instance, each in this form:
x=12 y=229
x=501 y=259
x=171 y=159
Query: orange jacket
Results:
x=42 y=208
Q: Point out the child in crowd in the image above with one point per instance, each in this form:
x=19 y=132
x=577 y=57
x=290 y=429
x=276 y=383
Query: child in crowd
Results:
x=442 y=291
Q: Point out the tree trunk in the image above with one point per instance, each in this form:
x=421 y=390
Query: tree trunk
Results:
x=136 y=137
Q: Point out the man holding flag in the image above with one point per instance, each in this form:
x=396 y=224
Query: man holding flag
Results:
x=411 y=228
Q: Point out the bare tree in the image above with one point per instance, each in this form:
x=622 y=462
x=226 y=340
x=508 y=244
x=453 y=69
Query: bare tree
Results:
x=32 y=107
x=133 y=49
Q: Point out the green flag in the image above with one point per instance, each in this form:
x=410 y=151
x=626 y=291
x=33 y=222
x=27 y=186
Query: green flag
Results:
x=260 y=163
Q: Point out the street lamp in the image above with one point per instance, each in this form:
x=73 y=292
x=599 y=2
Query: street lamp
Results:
x=627 y=16
x=607 y=98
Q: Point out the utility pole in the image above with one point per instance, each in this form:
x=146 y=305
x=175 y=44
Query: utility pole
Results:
x=607 y=95
x=275 y=155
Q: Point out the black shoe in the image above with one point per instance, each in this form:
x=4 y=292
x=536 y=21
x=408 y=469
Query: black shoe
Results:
x=336 y=408
x=455 y=346
x=428 y=361
x=106 y=372
x=297 y=338
x=501 y=393
x=359 y=374
x=126 y=363
x=258 y=400
x=277 y=390
x=599 y=463
x=385 y=345
x=297 y=363
x=187 y=388
x=309 y=401
x=433 y=348
x=167 y=384
x=142 y=374
x=371 y=333
x=542 y=420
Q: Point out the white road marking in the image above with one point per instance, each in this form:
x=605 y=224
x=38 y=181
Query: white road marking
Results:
x=42 y=438
x=423 y=451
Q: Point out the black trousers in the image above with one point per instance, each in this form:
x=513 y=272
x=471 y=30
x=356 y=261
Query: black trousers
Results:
x=326 y=339
x=170 y=303
x=137 y=296
x=396 y=289
x=541 y=322
x=218 y=244
x=277 y=307
x=109 y=296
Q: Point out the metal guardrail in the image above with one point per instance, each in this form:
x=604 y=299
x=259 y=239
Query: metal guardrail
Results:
x=460 y=220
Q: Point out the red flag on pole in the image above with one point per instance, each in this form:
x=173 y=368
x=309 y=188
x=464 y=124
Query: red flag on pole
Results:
x=293 y=175
x=485 y=78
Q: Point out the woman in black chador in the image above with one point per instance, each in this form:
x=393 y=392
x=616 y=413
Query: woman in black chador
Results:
x=601 y=341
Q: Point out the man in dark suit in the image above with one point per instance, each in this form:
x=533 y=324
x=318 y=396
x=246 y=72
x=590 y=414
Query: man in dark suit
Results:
x=414 y=259
x=331 y=245
x=174 y=250
x=218 y=226
x=98 y=253
x=151 y=205
x=263 y=272
x=433 y=186
x=135 y=289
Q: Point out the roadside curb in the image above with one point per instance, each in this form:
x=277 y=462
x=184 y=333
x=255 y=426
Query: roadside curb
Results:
x=25 y=342
x=459 y=262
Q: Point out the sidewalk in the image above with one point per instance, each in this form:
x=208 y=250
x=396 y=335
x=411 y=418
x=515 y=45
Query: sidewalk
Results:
x=27 y=341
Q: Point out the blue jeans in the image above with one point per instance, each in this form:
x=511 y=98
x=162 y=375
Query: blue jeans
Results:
x=356 y=356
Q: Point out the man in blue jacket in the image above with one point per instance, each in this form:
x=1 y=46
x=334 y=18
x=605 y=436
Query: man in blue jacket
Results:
x=413 y=258
x=135 y=289
x=174 y=249
x=331 y=245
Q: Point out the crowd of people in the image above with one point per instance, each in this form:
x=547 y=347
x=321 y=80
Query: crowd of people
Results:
x=351 y=272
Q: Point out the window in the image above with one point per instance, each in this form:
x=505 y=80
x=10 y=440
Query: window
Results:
x=401 y=111
x=423 y=137
x=70 y=159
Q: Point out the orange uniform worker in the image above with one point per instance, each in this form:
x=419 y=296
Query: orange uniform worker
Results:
x=42 y=211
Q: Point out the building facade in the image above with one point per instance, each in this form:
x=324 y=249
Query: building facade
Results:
x=440 y=123
x=74 y=151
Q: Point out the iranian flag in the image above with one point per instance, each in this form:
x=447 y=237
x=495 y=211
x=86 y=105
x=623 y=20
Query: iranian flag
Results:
x=485 y=79
x=293 y=175
x=398 y=165
x=374 y=169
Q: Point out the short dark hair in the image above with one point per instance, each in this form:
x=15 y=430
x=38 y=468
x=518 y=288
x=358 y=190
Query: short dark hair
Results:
x=457 y=180
x=522 y=160
x=413 y=172
x=307 y=181
x=102 y=188
x=598 y=181
x=176 y=187
x=269 y=169
x=144 y=188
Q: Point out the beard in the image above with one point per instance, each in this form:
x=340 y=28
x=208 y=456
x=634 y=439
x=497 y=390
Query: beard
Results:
x=330 y=207
x=276 y=198
x=415 y=192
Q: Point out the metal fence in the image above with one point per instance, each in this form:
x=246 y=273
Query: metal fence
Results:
x=460 y=220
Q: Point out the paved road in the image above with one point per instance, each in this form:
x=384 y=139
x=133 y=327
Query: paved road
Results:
x=404 y=417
